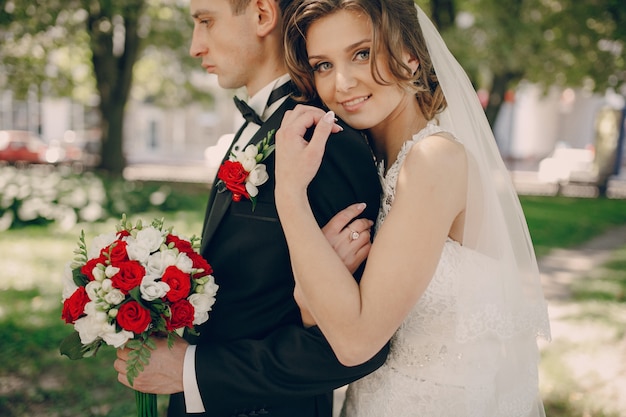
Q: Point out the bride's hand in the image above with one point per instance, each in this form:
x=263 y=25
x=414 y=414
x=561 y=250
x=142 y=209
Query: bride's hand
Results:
x=297 y=161
x=349 y=237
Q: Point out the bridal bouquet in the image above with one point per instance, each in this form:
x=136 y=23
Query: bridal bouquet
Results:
x=137 y=282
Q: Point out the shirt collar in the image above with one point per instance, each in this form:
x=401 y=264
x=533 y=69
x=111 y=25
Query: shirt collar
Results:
x=258 y=102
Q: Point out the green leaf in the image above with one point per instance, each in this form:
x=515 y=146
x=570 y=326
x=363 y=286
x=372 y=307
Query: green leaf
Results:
x=79 y=278
x=134 y=344
x=150 y=343
x=72 y=347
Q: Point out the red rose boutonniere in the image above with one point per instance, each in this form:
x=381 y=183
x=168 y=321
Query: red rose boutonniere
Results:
x=243 y=172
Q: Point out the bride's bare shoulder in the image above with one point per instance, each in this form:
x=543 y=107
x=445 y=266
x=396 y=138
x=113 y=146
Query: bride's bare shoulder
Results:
x=438 y=153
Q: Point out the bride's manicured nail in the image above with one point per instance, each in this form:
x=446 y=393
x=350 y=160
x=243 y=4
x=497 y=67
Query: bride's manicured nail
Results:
x=361 y=206
x=329 y=117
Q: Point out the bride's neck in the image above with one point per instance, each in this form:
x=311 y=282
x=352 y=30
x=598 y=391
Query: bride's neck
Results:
x=389 y=139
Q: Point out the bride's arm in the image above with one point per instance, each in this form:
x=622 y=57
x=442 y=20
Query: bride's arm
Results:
x=359 y=319
x=352 y=250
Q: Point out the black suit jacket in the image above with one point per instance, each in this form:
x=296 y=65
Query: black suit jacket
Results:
x=253 y=355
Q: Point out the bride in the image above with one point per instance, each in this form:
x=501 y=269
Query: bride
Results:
x=451 y=277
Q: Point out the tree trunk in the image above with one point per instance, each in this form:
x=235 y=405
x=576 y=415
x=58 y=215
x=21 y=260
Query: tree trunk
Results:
x=113 y=67
x=443 y=13
x=112 y=158
x=500 y=84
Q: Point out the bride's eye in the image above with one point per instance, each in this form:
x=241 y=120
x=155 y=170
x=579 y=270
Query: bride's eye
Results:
x=321 y=67
x=362 y=55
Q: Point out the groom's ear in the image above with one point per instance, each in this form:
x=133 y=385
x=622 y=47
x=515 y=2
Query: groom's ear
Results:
x=268 y=15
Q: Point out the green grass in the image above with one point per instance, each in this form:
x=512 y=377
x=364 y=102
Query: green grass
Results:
x=561 y=222
x=36 y=381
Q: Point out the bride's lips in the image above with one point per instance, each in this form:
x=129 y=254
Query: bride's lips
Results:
x=354 y=103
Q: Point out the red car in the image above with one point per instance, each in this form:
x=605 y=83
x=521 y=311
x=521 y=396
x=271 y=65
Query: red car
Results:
x=20 y=146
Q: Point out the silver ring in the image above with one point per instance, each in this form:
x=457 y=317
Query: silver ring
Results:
x=354 y=235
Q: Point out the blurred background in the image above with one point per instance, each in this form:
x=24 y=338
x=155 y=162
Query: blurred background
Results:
x=103 y=112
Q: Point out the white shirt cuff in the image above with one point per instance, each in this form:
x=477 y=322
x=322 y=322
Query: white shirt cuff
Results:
x=193 y=400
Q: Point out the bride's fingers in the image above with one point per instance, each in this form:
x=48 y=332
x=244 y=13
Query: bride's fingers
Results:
x=360 y=225
x=317 y=144
x=343 y=218
x=303 y=117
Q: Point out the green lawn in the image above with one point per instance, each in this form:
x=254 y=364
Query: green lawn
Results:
x=36 y=381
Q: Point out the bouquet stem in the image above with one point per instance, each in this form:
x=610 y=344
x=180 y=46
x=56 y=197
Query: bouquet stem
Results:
x=146 y=404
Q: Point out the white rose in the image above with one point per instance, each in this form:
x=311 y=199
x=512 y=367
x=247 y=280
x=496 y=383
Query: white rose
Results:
x=137 y=250
x=251 y=152
x=258 y=176
x=251 y=189
x=100 y=242
x=152 y=290
x=114 y=297
x=200 y=317
x=157 y=262
x=113 y=337
x=111 y=271
x=151 y=238
x=89 y=328
x=184 y=263
x=98 y=272
x=107 y=285
x=93 y=289
x=248 y=163
x=210 y=287
x=69 y=286
x=201 y=302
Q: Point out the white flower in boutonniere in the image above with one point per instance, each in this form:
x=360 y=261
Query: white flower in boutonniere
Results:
x=243 y=172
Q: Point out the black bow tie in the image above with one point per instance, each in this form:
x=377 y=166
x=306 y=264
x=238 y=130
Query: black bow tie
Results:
x=247 y=112
x=250 y=115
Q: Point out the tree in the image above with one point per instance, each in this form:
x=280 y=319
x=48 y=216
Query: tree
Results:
x=107 y=37
x=568 y=43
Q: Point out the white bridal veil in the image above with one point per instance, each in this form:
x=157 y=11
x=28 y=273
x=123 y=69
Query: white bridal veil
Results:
x=503 y=297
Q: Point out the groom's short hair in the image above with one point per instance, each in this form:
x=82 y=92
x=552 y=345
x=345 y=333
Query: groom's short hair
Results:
x=238 y=6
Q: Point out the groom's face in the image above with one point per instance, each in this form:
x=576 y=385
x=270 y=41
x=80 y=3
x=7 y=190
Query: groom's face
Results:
x=226 y=43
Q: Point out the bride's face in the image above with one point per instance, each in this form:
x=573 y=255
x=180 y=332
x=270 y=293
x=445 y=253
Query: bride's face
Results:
x=338 y=46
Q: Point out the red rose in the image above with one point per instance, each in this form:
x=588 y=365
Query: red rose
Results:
x=179 y=282
x=74 y=307
x=117 y=251
x=234 y=177
x=129 y=276
x=123 y=233
x=182 y=245
x=200 y=263
x=133 y=317
x=182 y=315
x=87 y=269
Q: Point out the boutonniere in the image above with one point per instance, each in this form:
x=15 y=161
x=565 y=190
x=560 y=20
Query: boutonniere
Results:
x=242 y=173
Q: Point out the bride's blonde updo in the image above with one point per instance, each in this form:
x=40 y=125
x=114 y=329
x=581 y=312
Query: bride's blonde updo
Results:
x=395 y=29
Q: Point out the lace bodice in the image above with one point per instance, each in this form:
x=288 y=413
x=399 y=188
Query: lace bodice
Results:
x=430 y=370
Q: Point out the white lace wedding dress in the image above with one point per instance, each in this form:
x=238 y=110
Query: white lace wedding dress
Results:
x=437 y=365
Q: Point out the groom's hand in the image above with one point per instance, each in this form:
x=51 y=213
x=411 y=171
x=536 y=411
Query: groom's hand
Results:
x=164 y=372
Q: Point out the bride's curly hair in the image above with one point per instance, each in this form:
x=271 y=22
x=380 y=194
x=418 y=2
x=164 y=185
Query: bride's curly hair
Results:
x=395 y=29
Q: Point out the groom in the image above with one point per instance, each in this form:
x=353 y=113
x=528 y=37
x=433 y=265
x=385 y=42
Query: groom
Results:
x=253 y=357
